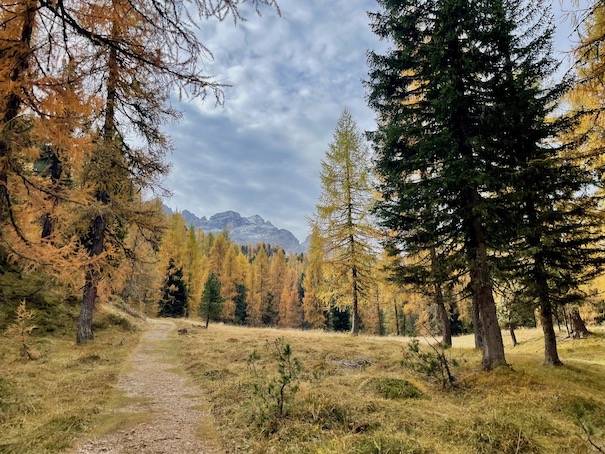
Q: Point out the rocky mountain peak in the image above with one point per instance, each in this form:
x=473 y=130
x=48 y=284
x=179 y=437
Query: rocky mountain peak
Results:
x=251 y=230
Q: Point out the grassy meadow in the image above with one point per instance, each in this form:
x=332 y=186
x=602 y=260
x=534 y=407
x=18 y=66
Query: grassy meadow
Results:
x=353 y=395
x=49 y=401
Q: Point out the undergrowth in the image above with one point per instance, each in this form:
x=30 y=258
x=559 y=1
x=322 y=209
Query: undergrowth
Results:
x=48 y=403
x=274 y=389
x=376 y=406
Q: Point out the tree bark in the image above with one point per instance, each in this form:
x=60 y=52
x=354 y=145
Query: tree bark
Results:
x=481 y=285
x=355 y=321
x=513 y=336
x=551 y=356
x=444 y=319
x=92 y=277
x=477 y=330
x=84 y=332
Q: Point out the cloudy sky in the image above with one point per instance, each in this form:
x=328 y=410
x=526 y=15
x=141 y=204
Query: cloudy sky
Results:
x=290 y=77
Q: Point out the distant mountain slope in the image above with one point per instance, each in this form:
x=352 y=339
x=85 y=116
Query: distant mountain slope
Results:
x=242 y=230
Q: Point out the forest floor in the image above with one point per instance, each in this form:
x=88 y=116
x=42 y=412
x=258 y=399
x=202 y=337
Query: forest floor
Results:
x=164 y=412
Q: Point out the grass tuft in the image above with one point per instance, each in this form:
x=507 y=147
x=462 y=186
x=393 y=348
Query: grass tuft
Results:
x=394 y=388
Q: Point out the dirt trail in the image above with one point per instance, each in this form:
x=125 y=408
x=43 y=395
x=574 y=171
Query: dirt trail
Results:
x=174 y=420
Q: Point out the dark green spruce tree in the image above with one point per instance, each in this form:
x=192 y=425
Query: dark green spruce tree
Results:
x=463 y=130
x=555 y=244
x=175 y=299
x=431 y=94
x=240 y=304
x=212 y=301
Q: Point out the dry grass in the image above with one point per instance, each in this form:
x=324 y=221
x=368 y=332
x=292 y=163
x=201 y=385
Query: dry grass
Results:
x=45 y=404
x=355 y=397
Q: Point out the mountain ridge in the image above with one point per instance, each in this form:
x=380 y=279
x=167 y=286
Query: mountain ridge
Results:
x=244 y=231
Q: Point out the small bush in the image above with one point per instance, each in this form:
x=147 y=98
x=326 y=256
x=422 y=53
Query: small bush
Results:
x=22 y=328
x=274 y=392
x=589 y=417
x=434 y=365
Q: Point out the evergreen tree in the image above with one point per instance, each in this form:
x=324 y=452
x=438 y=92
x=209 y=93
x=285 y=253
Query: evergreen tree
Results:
x=175 y=301
x=555 y=242
x=240 y=304
x=212 y=301
x=343 y=220
x=465 y=130
x=434 y=142
x=339 y=319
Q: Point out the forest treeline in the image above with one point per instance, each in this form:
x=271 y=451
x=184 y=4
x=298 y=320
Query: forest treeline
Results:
x=476 y=203
x=259 y=285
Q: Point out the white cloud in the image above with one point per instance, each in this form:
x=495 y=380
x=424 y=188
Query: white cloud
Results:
x=291 y=77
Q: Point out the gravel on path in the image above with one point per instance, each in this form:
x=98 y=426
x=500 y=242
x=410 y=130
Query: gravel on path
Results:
x=172 y=404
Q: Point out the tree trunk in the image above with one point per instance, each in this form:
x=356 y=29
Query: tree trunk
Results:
x=442 y=313
x=84 y=332
x=208 y=318
x=578 y=325
x=477 y=330
x=444 y=318
x=355 y=321
x=551 y=356
x=481 y=285
x=97 y=246
x=396 y=318
x=513 y=336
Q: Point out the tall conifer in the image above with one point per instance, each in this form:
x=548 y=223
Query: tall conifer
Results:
x=175 y=300
x=343 y=219
x=463 y=128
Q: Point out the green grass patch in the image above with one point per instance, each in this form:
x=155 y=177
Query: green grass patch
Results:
x=394 y=388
